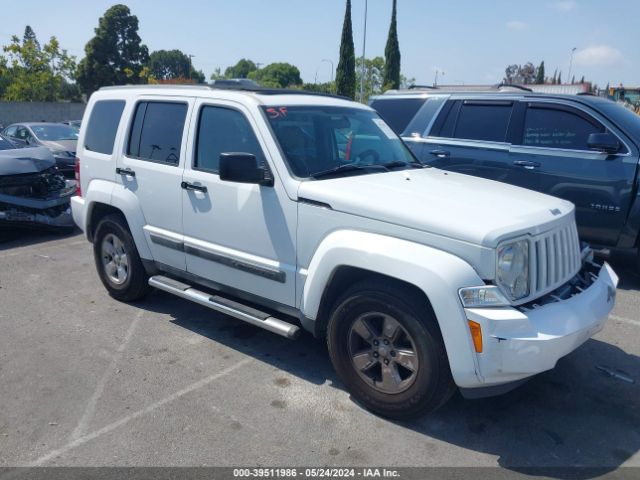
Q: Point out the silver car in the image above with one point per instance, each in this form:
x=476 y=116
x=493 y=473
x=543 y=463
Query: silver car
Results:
x=59 y=138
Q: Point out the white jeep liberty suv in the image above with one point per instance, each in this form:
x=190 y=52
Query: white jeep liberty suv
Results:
x=289 y=210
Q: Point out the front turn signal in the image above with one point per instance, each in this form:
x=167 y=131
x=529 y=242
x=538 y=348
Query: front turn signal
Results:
x=476 y=335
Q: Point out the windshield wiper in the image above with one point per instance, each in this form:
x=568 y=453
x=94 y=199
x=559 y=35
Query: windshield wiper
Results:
x=400 y=163
x=348 y=167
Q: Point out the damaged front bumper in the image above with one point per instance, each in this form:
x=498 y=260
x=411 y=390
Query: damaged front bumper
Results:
x=522 y=342
x=52 y=209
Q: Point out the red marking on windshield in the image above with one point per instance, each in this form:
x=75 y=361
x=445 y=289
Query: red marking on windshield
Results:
x=280 y=112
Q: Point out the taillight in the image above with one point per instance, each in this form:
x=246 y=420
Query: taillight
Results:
x=77 y=172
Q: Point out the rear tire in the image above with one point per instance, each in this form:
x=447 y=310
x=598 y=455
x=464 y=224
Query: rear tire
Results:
x=386 y=347
x=117 y=260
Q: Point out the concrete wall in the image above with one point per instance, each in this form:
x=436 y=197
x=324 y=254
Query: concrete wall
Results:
x=12 y=112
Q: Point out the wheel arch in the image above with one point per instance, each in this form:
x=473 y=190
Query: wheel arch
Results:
x=435 y=275
x=101 y=202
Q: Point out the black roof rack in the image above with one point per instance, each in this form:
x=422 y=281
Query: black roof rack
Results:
x=427 y=87
x=238 y=87
x=509 y=85
x=272 y=91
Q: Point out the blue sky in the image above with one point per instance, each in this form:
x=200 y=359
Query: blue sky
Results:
x=471 y=41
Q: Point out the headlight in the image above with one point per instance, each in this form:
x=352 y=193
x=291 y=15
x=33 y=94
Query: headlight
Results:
x=486 y=296
x=513 y=269
x=62 y=153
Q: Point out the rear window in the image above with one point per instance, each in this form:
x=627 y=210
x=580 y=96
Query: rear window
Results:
x=398 y=112
x=156 y=133
x=483 y=121
x=103 y=126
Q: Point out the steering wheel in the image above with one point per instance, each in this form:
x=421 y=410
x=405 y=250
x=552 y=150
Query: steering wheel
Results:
x=375 y=156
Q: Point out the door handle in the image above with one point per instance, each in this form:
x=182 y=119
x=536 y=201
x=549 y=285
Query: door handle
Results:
x=440 y=153
x=526 y=164
x=125 y=171
x=191 y=186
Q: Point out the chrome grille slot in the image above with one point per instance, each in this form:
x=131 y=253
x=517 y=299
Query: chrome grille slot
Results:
x=555 y=260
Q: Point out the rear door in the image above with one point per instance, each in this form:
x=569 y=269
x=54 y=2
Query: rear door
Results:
x=552 y=143
x=470 y=137
x=151 y=168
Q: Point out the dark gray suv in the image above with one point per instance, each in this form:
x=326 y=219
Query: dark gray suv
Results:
x=582 y=148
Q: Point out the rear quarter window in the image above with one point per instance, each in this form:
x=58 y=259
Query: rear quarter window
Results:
x=103 y=126
x=398 y=112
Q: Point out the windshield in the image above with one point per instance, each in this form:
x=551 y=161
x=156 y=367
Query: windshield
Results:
x=315 y=140
x=54 y=132
x=626 y=119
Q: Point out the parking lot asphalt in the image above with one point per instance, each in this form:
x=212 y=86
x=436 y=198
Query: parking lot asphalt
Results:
x=88 y=381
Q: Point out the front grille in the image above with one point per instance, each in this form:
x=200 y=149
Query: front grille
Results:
x=556 y=258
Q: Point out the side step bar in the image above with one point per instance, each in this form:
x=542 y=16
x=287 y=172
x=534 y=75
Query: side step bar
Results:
x=226 y=306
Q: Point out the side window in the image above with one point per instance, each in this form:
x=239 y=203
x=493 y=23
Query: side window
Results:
x=11 y=131
x=22 y=133
x=223 y=130
x=486 y=121
x=156 y=133
x=558 y=128
x=103 y=126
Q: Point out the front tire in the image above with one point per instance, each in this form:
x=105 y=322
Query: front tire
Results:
x=387 y=349
x=117 y=260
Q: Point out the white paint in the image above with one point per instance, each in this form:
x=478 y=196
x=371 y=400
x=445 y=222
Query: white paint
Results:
x=93 y=401
x=123 y=421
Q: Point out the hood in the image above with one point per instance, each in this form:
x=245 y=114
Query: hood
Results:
x=66 y=145
x=471 y=209
x=25 y=160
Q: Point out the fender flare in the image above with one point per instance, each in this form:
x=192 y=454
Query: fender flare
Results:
x=436 y=273
x=116 y=196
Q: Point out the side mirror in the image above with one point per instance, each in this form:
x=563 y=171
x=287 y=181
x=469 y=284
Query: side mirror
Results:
x=243 y=168
x=603 y=142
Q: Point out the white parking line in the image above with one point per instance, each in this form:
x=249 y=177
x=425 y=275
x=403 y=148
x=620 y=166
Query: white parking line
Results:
x=112 y=426
x=629 y=321
x=93 y=401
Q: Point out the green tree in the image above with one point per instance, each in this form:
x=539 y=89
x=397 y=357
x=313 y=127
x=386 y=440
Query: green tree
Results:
x=328 y=87
x=582 y=79
x=346 y=71
x=554 y=80
x=373 y=76
x=116 y=55
x=277 y=75
x=242 y=69
x=540 y=74
x=217 y=74
x=35 y=73
x=560 y=78
x=392 y=54
x=169 y=65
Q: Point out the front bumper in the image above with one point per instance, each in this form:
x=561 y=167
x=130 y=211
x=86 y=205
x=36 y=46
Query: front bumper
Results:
x=519 y=343
x=53 y=211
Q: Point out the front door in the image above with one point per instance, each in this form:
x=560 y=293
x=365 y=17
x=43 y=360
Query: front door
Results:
x=553 y=142
x=240 y=236
x=151 y=168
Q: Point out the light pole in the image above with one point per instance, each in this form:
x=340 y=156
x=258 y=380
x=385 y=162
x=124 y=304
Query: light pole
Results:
x=364 y=49
x=435 y=81
x=571 y=63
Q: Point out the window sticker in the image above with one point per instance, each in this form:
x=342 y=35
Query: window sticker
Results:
x=385 y=128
